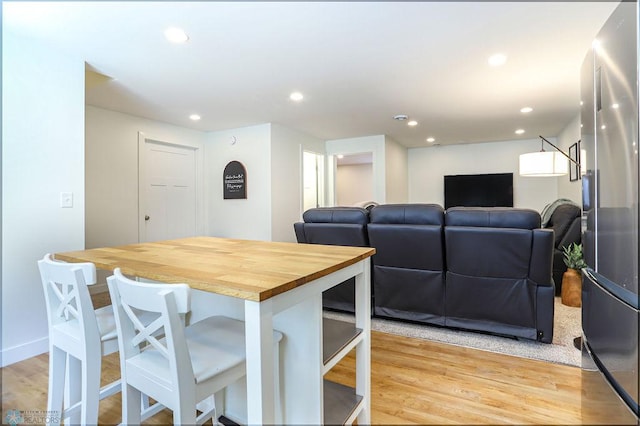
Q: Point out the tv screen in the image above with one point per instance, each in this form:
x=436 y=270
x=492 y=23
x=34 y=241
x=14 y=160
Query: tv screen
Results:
x=486 y=190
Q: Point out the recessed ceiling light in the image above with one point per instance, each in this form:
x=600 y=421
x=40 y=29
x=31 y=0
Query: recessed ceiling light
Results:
x=175 y=35
x=497 y=60
x=519 y=131
x=412 y=123
x=526 y=110
x=431 y=140
x=296 y=96
x=340 y=156
x=195 y=117
x=615 y=106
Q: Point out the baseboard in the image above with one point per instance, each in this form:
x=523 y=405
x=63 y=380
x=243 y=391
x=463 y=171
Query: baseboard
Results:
x=20 y=353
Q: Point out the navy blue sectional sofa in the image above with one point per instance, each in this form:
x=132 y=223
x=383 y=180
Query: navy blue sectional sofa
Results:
x=483 y=269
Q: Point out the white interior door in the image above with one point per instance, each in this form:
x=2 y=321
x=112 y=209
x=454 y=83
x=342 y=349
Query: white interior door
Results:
x=167 y=191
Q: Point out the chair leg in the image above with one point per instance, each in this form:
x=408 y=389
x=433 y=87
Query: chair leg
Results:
x=184 y=412
x=57 y=372
x=219 y=405
x=90 y=389
x=73 y=389
x=131 y=404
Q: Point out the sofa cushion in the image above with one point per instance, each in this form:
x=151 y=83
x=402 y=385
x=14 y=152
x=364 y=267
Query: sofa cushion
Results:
x=342 y=226
x=493 y=217
x=355 y=215
x=405 y=214
x=338 y=234
x=408 y=236
x=497 y=259
x=408 y=273
x=483 y=252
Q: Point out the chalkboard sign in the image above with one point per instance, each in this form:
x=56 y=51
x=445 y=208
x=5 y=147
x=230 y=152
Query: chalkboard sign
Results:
x=234 y=180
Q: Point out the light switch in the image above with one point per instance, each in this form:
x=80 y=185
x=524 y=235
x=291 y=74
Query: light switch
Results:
x=66 y=199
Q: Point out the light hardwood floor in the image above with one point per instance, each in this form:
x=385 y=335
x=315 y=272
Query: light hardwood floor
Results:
x=420 y=382
x=413 y=382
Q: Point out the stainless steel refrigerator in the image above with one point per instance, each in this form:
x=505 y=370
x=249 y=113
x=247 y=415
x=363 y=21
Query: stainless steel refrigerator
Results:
x=609 y=145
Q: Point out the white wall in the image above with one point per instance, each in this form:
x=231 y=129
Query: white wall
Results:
x=428 y=166
x=112 y=172
x=375 y=145
x=353 y=183
x=569 y=135
x=270 y=152
x=42 y=156
x=397 y=172
x=286 y=178
x=248 y=218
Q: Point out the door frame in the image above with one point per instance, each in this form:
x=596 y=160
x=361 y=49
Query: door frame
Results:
x=201 y=227
x=320 y=175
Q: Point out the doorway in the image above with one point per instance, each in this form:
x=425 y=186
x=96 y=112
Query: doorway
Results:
x=354 y=182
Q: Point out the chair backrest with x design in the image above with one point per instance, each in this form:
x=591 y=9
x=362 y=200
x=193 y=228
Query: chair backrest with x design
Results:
x=68 y=302
x=172 y=302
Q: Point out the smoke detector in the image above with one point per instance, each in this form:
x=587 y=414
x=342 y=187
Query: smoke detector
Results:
x=401 y=117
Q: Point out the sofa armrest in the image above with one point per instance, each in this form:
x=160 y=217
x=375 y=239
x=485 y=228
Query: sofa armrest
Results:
x=541 y=266
x=298 y=227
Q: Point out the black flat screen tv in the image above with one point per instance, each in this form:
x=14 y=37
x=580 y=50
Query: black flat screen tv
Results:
x=486 y=190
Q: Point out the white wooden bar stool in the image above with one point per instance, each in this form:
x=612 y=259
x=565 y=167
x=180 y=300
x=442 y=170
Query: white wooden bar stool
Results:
x=79 y=337
x=188 y=365
x=77 y=330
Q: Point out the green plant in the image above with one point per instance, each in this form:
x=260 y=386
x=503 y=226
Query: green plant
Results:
x=573 y=256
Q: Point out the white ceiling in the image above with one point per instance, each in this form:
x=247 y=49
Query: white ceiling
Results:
x=358 y=64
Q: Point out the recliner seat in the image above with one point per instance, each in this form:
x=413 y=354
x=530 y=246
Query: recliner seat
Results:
x=499 y=272
x=408 y=267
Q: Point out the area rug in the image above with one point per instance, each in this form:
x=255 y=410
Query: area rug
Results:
x=566 y=327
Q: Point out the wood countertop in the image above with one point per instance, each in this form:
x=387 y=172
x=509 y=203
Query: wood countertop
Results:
x=246 y=269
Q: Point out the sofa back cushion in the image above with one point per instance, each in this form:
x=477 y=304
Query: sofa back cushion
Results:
x=408 y=267
x=341 y=226
x=488 y=252
x=408 y=236
x=490 y=242
x=493 y=217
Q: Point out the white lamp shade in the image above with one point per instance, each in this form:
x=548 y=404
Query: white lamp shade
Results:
x=543 y=163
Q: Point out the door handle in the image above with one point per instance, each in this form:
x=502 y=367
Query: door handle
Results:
x=146 y=217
